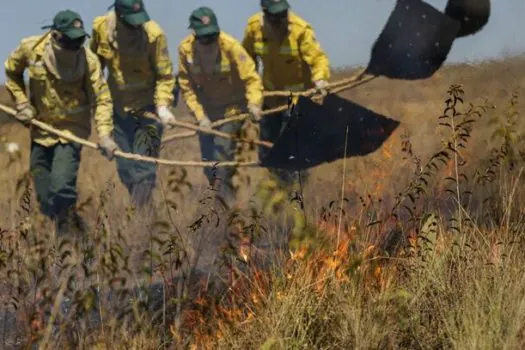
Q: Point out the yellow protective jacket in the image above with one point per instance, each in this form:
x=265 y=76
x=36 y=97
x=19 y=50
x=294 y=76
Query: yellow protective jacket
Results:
x=137 y=81
x=291 y=65
x=233 y=82
x=67 y=106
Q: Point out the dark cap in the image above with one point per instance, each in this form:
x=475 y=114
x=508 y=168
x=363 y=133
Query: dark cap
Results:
x=68 y=23
x=132 y=11
x=204 y=22
x=275 y=6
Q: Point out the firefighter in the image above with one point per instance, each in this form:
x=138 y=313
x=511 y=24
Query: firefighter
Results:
x=66 y=87
x=133 y=48
x=218 y=79
x=285 y=48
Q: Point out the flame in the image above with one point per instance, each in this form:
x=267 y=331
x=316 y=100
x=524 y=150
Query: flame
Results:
x=208 y=323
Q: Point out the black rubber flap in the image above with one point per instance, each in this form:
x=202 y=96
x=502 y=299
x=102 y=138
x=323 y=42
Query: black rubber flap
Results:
x=472 y=14
x=414 y=42
x=316 y=134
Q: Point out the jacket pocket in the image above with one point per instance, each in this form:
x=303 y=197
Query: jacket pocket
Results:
x=38 y=72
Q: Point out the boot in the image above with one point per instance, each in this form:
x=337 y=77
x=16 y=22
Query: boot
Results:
x=69 y=224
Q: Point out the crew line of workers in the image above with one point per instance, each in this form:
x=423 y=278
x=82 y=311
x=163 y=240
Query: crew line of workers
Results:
x=218 y=77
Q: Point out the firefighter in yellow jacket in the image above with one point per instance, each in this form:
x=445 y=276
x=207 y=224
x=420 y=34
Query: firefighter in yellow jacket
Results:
x=217 y=79
x=284 y=46
x=66 y=87
x=133 y=49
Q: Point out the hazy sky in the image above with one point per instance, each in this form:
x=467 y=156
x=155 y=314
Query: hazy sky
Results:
x=345 y=28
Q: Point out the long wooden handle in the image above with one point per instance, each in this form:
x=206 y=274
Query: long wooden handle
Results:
x=335 y=87
x=209 y=131
x=73 y=138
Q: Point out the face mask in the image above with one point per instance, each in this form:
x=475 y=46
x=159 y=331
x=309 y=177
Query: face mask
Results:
x=126 y=24
x=69 y=44
x=207 y=39
x=276 y=19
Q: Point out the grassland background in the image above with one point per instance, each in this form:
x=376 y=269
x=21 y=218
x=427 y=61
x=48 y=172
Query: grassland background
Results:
x=417 y=105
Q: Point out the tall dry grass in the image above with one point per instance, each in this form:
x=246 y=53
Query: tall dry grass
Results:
x=428 y=272
x=422 y=251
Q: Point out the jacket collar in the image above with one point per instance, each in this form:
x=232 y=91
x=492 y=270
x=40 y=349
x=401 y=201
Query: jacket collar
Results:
x=40 y=45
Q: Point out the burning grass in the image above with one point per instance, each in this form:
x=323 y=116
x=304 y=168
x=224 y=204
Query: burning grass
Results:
x=420 y=249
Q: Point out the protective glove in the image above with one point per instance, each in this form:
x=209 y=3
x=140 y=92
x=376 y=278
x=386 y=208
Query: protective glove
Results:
x=107 y=147
x=255 y=112
x=25 y=113
x=166 y=117
x=321 y=86
x=205 y=122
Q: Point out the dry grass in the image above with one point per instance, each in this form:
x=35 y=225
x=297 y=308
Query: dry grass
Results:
x=416 y=271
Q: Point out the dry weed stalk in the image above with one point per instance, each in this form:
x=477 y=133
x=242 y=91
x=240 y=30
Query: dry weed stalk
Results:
x=364 y=273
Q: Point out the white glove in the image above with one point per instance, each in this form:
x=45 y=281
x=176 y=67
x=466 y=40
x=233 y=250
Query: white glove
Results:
x=166 y=117
x=205 y=122
x=255 y=112
x=107 y=147
x=25 y=113
x=321 y=86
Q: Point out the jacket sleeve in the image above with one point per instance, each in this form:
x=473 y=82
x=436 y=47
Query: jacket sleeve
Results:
x=187 y=88
x=164 y=71
x=248 y=42
x=100 y=98
x=15 y=65
x=93 y=45
x=314 y=55
x=248 y=74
